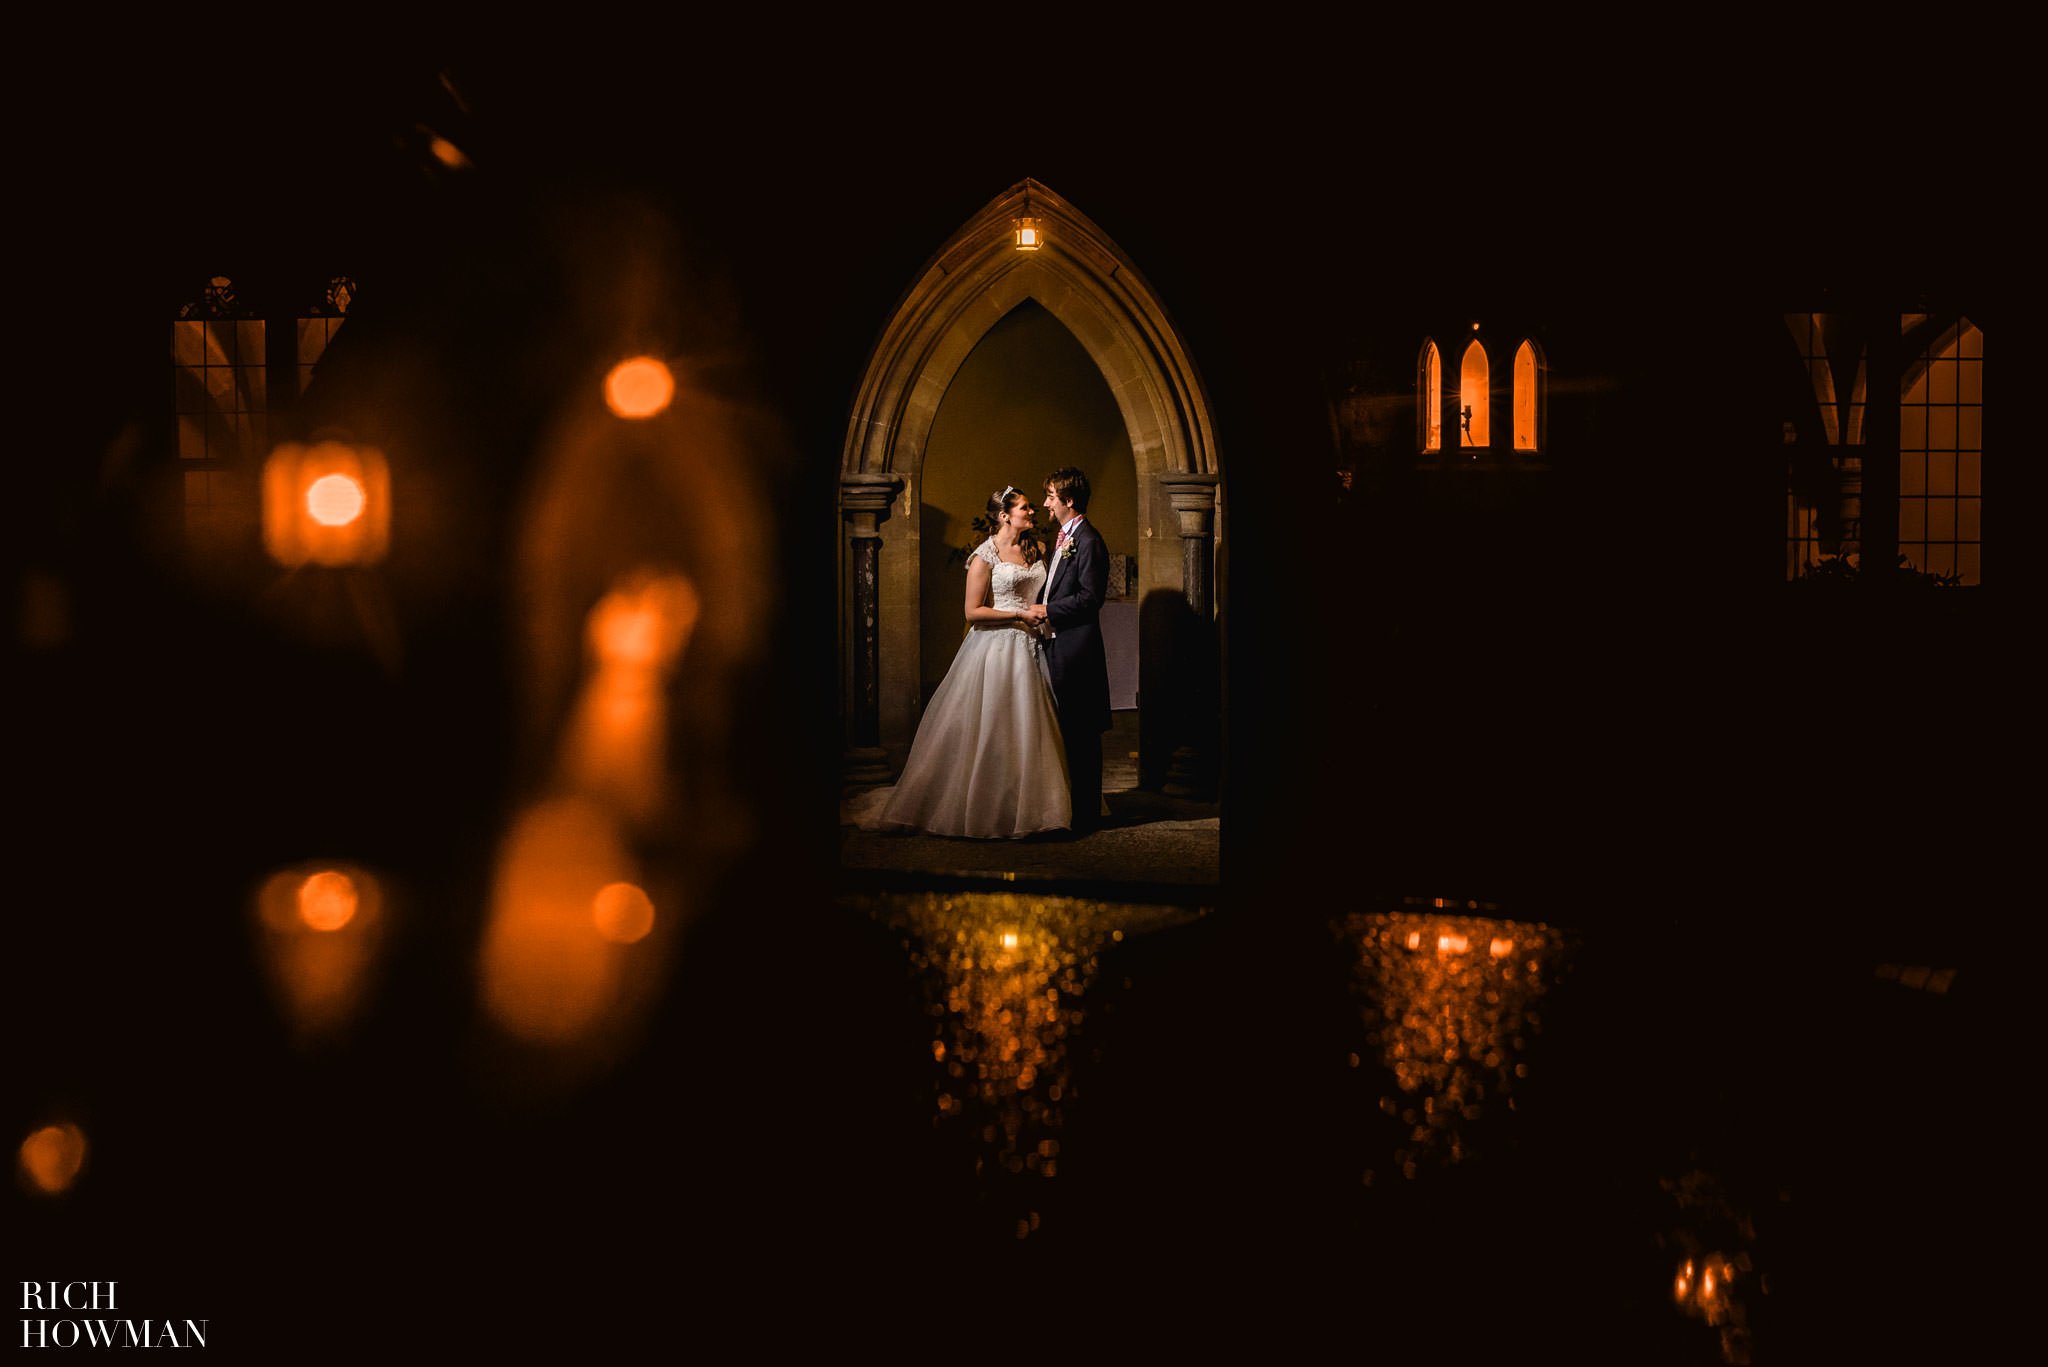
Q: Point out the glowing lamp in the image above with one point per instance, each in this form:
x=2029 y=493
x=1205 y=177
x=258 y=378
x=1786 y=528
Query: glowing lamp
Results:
x=639 y=388
x=1030 y=234
x=327 y=900
x=335 y=500
x=51 y=1158
x=326 y=504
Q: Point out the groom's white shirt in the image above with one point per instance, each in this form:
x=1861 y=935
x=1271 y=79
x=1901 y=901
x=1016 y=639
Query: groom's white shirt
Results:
x=1059 y=555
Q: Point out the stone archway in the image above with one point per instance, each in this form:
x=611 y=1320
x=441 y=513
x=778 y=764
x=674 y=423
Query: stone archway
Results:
x=980 y=274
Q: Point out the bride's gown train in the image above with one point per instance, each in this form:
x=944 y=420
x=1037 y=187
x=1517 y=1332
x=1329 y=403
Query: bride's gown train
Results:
x=987 y=759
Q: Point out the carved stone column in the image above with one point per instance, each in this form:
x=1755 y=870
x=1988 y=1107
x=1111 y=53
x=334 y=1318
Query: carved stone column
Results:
x=1194 y=502
x=1192 y=696
x=864 y=501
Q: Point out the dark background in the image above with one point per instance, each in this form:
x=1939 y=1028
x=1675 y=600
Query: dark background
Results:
x=1587 y=695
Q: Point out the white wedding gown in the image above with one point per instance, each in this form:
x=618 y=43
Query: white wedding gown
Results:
x=987 y=760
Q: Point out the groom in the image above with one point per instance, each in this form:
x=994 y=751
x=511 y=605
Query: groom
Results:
x=1071 y=606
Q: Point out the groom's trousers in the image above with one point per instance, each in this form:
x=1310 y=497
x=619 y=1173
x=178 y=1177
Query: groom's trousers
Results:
x=1084 y=776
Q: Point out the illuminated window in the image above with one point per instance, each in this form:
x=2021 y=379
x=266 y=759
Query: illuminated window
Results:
x=317 y=328
x=1473 y=414
x=1526 y=370
x=1473 y=411
x=221 y=391
x=225 y=393
x=1941 y=438
x=1824 y=501
x=1432 y=390
x=1941 y=424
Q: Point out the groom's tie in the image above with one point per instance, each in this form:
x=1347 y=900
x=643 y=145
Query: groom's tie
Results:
x=1062 y=548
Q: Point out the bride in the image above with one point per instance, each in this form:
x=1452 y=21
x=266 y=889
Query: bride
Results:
x=987 y=760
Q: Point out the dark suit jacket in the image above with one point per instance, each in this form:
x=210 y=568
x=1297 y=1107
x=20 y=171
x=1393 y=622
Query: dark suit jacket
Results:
x=1073 y=604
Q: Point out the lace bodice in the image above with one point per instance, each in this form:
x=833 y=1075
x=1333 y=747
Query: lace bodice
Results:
x=1014 y=587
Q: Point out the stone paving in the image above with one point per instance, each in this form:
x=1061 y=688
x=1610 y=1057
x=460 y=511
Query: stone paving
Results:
x=1148 y=838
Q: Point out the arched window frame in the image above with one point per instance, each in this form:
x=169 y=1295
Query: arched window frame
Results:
x=1479 y=421
x=1429 y=399
x=236 y=366
x=1539 y=399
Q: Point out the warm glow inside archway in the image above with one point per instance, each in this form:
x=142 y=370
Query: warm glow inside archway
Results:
x=1475 y=430
x=1432 y=399
x=1525 y=398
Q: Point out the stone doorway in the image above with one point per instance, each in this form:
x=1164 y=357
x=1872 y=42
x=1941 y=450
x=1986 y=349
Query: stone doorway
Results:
x=979 y=278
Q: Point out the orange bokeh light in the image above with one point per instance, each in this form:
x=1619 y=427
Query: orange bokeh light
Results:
x=320 y=933
x=52 y=1157
x=326 y=504
x=639 y=388
x=546 y=977
x=617 y=744
x=327 y=900
x=645 y=621
x=623 y=913
x=335 y=500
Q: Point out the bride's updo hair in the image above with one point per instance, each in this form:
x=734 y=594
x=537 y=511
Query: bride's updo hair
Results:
x=999 y=506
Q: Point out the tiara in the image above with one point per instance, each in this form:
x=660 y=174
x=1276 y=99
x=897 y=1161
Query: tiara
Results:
x=1008 y=489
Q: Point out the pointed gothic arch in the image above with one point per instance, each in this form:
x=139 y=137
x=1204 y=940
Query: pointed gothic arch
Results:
x=1083 y=279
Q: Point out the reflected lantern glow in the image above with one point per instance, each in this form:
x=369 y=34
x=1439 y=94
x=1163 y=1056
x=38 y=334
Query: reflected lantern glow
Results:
x=1449 y=1025
x=1715 y=1232
x=1705 y=1289
x=51 y=1158
x=1007 y=975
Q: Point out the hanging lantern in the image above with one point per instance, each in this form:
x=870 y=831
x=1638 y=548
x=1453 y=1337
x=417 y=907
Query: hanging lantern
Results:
x=1028 y=231
x=328 y=504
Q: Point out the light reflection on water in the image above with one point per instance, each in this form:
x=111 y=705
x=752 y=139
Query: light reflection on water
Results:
x=1716 y=1276
x=1008 y=973
x=1451 y=1007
